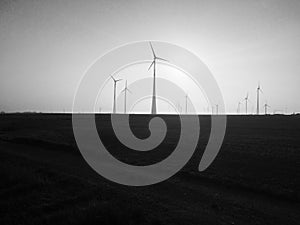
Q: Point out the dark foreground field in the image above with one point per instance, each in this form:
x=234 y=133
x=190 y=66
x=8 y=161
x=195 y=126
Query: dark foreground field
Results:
x=254 y=179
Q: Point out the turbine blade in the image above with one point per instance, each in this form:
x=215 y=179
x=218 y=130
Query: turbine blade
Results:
x=113 y=78
x=151 y=65
x=118 y=80
x=162 y=59
x=152 y=49
x=129 y=91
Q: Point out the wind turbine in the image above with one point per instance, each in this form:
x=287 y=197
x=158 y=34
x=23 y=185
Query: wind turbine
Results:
x=285 y=110
x=266 y=108
x=115 y=88
x=239 y=107
x=186 y=103
x=179 y=108
x=247 y=99
x=153 y=108
x=217 y=109
x=258 y=90
x=125 y=96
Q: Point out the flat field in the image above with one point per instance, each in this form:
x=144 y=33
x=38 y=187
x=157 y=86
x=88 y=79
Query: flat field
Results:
x=255 y=178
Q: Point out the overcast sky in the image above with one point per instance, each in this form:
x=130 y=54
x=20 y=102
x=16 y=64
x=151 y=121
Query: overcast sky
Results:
x=45 y=46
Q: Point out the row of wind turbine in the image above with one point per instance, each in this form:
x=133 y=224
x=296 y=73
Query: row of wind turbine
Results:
x=247 y=100
x=125 y=90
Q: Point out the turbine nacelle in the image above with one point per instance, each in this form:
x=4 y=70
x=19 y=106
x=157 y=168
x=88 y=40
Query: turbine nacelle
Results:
x=115 y=80
x=259 y=88
x=155 y=57
x=247 y=97
x=126 y=89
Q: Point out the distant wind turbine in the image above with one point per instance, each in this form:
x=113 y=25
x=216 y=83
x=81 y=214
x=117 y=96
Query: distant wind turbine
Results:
x=266 y=108
x=239 y=108
x=186 y=103
x=258 y=90
x=115 y=88
x=217 y=109
x=285 y=110
x=125 y=96
x=179 y=108
x=246 y=100
x=153 y=107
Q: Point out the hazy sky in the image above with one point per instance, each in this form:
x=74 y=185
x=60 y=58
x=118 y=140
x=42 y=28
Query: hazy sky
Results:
x=45 y=46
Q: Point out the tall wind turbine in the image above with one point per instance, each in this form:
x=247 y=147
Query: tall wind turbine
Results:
x=115 y=88
x=153 y=107
x=125 y=96
x=266 y=108
x=258 y=90
x=246 y=100
x=217 y=109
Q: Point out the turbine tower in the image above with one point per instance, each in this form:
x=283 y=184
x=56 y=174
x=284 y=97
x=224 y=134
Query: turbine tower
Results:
x=247 y=99
x=266 y=108
x=217 y=109
x=257 y=101
x=115 y=88
x=153 y=107
x=125 y=96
